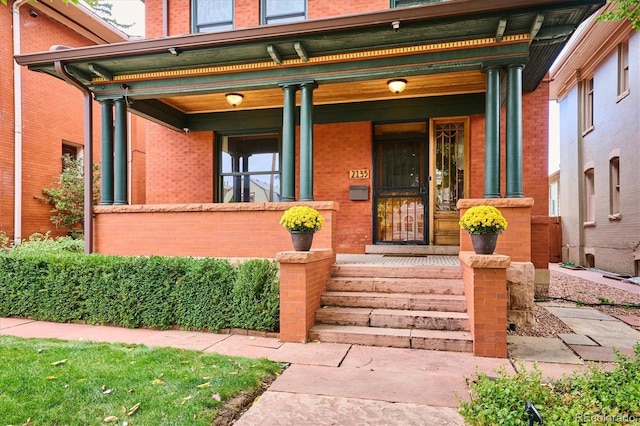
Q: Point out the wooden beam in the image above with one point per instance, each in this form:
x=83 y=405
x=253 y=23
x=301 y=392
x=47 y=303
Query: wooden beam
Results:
x=302 y=53
x=275 y=55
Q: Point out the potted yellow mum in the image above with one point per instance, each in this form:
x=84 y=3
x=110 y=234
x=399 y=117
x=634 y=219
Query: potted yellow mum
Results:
x=484 y=223
x=302 y=222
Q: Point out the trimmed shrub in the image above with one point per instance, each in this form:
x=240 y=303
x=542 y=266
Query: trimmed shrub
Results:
x=40 y=281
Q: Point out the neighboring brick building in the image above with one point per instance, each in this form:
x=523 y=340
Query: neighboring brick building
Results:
x=41 y=115
x=597 y=84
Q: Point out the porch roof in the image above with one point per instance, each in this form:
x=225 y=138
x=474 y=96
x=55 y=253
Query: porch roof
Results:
x=440 y=48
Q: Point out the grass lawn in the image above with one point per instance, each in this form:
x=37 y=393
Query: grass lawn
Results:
x=53 y=382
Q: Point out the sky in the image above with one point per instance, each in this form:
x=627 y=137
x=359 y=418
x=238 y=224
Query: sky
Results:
x=129 y=12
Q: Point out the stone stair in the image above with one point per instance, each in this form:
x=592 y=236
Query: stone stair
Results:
x=410 y=306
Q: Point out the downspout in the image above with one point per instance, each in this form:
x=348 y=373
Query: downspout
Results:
x=88 y=155
x=165 y=18
x=17 y=126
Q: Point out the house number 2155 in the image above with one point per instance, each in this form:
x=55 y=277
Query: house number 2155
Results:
x=359 y=174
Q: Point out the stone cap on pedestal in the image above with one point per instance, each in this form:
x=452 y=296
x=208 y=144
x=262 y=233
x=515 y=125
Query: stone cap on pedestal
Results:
x=488 y=261
x=303 y=256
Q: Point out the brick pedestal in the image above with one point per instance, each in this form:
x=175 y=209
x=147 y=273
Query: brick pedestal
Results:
x=485 y=284
x=303 y=279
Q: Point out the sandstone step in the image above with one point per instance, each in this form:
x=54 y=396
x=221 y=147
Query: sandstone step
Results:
x=393 y=318
x=391 y=271
x=457 y=341
x=343 y=316
x=426 y=320
x=420 y=302
x=397 y=285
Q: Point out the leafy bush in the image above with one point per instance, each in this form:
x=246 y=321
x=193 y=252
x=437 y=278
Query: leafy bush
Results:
x=585 y=397
x=49 y=280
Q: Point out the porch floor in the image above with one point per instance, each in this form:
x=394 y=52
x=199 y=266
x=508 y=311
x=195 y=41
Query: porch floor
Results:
x=397 y=260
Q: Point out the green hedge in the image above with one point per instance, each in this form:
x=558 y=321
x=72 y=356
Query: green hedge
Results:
x=157 y=292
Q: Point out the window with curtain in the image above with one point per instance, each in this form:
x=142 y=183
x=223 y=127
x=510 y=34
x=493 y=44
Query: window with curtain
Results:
x=282 y=11
x=589 y=199
x=211 y=15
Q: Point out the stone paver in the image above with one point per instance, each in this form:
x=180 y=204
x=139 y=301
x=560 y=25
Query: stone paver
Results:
x=577 y=312
x=576 y=339
x=599 y=353
x=185 y=339
x=291 y=409
x=248 y=346
x=457 y=364
x=314 y=353
x=541 y=349
x=408 y=386
x=605 y=333
x=13 y=322
x=632 y=320
x=551 y=370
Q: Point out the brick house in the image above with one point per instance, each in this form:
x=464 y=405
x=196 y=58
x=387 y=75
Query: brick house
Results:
x=390 y=120
x=596 y=83
x=42 y=118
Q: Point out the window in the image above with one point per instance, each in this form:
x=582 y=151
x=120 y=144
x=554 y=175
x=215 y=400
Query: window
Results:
x=212 y=15
x=449 y=159
x=614 y=190
x=250 y=168
x=590 y=206
x=70 y=152
x=623 y=69
x=283 y=11
x=587 y=106
x=407 y=3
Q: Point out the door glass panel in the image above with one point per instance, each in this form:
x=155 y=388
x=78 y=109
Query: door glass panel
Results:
x=449 y=173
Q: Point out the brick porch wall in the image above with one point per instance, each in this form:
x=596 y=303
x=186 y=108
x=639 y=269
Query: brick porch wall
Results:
x=215 y=230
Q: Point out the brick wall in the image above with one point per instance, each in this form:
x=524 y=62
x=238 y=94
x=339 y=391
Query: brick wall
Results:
x=179 y=166
x=339 y=148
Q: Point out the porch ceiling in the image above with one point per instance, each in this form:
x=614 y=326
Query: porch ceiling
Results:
x=439 y=48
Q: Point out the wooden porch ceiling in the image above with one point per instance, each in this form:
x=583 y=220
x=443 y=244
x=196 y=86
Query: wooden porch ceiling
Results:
x=453 y=83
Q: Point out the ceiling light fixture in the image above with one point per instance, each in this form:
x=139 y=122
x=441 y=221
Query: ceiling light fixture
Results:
x=397 y=85
x=234 y=99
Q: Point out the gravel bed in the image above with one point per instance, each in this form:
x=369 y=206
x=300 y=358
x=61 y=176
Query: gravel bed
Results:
x=582 y=290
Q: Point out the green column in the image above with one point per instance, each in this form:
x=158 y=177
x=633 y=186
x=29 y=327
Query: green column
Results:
x=492 y=135
x=106 y=153
x=120 y=153
x=288 y=180
x=514 y=131
x=306 y=141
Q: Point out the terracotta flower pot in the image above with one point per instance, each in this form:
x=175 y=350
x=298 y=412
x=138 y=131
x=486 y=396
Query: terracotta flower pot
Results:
x=484 y=243
x=301 y=240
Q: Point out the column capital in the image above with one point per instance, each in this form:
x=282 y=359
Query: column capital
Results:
x=298 y=83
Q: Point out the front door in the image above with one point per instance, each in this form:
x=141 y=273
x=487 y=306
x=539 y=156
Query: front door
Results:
x=400 y=189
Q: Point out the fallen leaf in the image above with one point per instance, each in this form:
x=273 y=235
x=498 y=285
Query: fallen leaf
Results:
x=133 y=410
x=216 y=396
x=187 y=398
x=51 y=377
x=204 y=385
x=157 y=382
x=62 y=361
x=107 y=391
x=110 y=419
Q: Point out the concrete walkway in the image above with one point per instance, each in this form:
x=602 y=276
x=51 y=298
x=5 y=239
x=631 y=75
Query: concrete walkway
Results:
x=339 y=384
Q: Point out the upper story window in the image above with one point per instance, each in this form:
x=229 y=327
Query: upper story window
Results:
x=623 y=69
x=212 y=15
x=587 y=105
x=406 y=3
x=282 y=11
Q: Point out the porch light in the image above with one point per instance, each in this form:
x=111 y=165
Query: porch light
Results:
x=234 y=99
x=397 y=85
